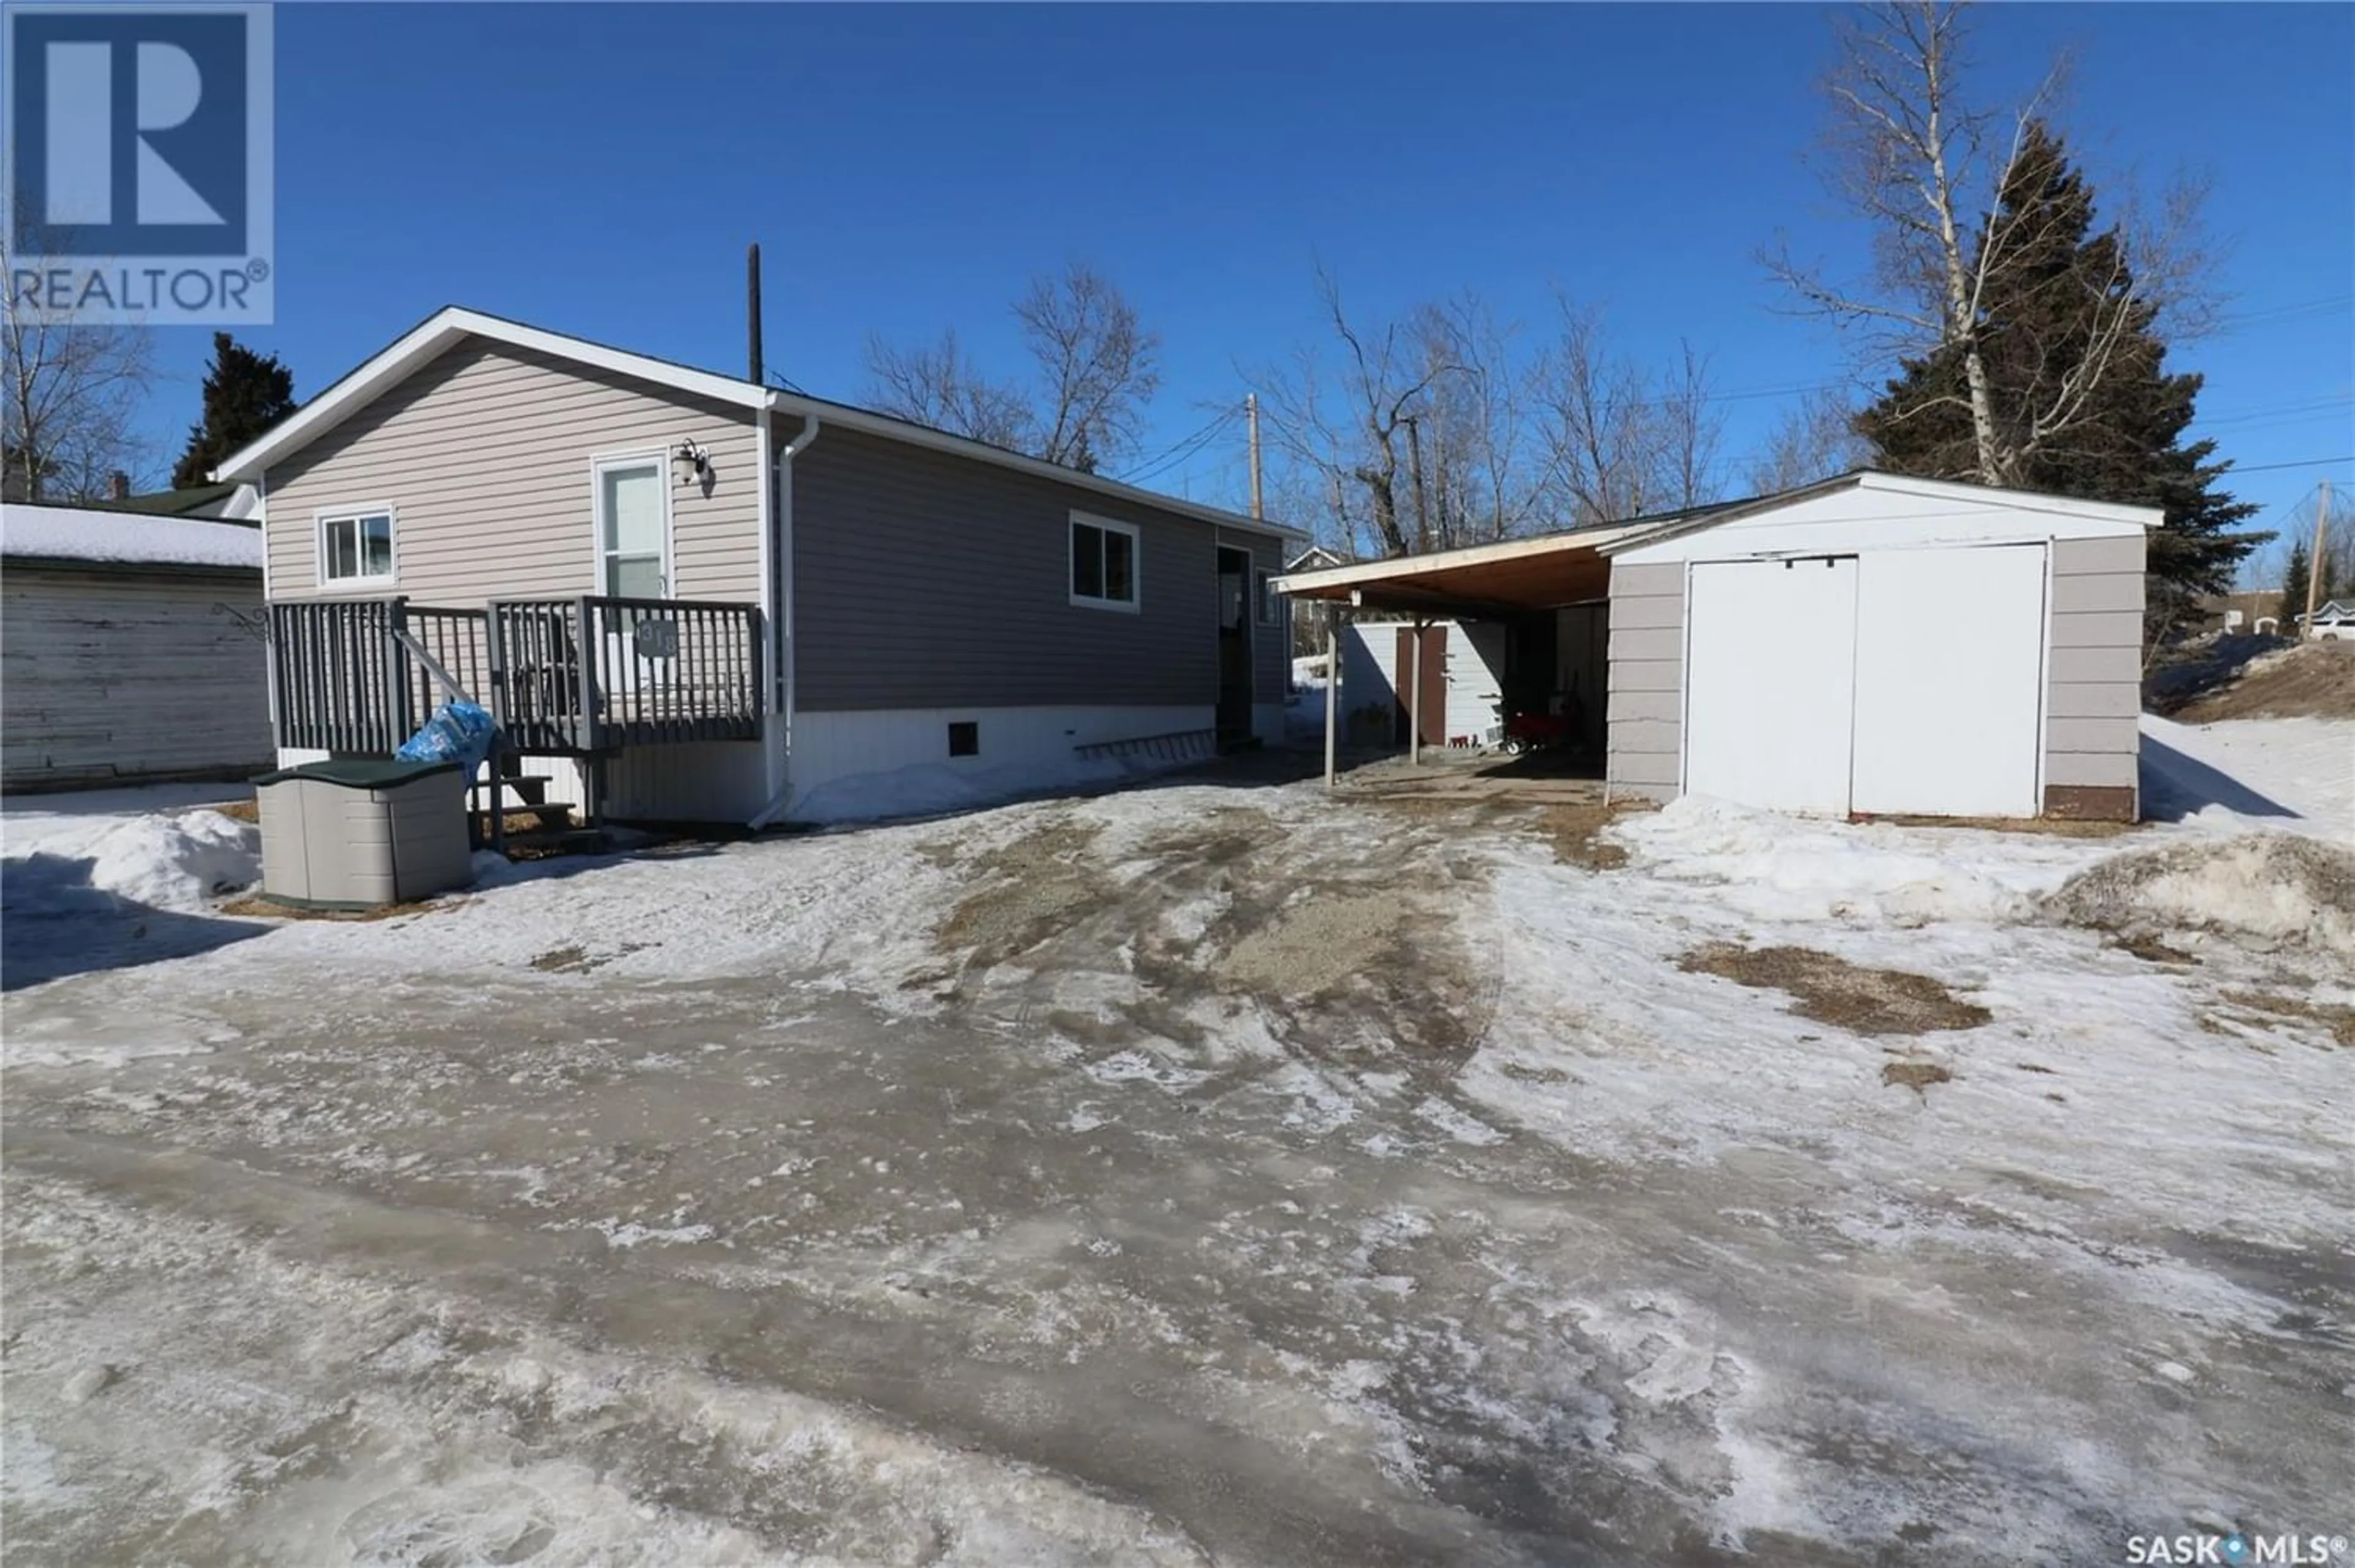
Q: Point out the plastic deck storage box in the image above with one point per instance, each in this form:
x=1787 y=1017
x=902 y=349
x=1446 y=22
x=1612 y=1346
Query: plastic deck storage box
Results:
x=362 y=834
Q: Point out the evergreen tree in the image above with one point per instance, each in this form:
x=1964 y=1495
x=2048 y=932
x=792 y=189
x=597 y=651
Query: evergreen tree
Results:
x=2049 y=328
x=245 y=394
x=2294 y=577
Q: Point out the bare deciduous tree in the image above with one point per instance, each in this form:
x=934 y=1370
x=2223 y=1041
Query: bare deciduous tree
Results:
x=1813 y=439
x=72 y=396
x=1096 y=370
x=1098 y=361
x=1623 y=443
x=937 y=384
x=1916 y=159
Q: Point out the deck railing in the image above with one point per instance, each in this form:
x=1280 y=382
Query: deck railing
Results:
x=561 y=676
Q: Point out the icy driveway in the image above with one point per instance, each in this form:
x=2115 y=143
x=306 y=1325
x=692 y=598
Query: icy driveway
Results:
x=1192 y=1175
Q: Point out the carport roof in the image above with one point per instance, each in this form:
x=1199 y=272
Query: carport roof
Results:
x=1484 y=581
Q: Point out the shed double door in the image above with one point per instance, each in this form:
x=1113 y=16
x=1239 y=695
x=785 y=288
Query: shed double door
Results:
x=1891 y=682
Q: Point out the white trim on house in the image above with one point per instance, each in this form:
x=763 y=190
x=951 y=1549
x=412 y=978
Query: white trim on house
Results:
x=451 y=324
x=1135 y=603
x=657 y=458
x=355 y=515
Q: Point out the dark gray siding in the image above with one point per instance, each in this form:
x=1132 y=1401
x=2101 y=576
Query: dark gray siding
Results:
x=1271 y=644
x=921 y=580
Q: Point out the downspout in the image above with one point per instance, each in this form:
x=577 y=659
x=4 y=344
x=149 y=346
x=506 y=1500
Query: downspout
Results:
x=781 y=638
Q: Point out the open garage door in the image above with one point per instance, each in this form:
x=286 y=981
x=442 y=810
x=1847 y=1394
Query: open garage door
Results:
x=1950 y=682
x=1770 y=683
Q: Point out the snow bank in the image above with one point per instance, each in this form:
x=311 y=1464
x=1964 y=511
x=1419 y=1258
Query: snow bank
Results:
x=2274 y=886
x=84 y=533
x=169 y=861
x=1794 y=868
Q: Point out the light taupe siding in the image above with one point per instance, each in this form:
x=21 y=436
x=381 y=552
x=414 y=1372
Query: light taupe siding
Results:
x=485 y=454
x=2093 y=672
x=123 y=675
x=923 y=579
x=1646 y=686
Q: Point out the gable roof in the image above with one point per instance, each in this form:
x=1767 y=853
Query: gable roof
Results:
x=453 y=324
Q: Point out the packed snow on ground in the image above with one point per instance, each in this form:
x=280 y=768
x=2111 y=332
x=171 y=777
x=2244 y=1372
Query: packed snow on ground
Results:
x=82 y=533
x=1216 y=1171
x=2294 y=773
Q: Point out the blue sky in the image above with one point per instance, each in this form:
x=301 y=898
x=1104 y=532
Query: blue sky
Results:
x=597 y=169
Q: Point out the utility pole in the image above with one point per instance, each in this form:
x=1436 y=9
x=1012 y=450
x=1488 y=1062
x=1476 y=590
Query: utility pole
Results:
x=1421 y=506
x=2314 y=573
x=1251 y=415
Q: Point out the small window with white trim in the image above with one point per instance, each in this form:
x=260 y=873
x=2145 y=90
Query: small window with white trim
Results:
x=1103 y=563
x=1263 y=595
x=356 y=546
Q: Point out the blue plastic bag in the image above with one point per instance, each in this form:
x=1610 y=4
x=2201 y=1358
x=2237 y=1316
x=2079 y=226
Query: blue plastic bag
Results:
x=458 y=732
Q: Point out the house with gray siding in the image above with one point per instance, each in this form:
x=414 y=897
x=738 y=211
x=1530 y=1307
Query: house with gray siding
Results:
x=1871 y=644
x=691 y=597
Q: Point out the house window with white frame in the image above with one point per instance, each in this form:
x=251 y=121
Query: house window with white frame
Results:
x=356 y=546
x=1263 y=596
x=1103 y=563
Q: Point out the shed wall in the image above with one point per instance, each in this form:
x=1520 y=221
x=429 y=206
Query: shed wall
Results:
x=122 y=674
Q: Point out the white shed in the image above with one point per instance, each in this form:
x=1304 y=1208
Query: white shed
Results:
x=1869 y=645
x=130 y=649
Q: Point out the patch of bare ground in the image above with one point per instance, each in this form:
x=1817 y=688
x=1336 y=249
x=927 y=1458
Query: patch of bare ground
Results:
x=2142 y=944
x=2335 y=1020
x=574 y=959
x=2304 y=680
x=1832 y=989
x=1577 y=832
x=1915 y=1076
x=2050 y=826
x=240 y=810
x=1026 y=889
x=256 y=907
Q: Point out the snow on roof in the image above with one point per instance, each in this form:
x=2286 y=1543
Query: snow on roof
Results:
x=84 y=533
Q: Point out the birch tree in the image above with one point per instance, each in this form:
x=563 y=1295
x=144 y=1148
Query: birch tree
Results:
x=1913 y=154
x=73 y=395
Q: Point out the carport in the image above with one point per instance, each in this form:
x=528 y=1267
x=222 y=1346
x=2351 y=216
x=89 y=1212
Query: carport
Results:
x=1871 y=645
x=1523 y=584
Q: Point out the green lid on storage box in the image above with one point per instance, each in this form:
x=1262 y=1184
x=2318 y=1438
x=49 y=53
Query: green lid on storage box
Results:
x=360 y=772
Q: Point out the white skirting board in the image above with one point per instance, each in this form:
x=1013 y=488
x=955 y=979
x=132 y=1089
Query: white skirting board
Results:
x=847 y=767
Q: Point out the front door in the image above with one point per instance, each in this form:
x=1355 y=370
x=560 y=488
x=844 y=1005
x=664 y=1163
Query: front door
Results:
x=632 y=529
x=1234 y=708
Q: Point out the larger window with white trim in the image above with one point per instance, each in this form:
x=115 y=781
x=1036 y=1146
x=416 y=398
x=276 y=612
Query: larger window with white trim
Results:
x=356 y=546
x=1103 y=563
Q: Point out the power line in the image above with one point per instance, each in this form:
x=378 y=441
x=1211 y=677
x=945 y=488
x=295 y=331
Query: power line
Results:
x=2305 y=462
x=1185 y=448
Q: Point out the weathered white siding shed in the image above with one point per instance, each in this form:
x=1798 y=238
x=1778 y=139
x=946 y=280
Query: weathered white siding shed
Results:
x=1884 y=645
x=129 y=649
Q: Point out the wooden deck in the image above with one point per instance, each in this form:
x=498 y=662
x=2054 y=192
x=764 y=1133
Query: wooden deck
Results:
x=579 y=676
